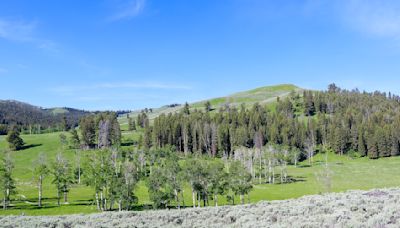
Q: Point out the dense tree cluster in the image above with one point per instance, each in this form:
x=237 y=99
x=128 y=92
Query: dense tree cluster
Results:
x=101 y=130
x=341 y=120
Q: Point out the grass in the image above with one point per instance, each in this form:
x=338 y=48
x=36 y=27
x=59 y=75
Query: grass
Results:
x=348 y=173
x=263 y=95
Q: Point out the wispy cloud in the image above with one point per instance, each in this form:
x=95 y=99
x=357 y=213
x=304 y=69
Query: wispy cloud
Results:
x=127 y=9
x=119 y=85
x=376 y=17
x=379 y=18
x=17 y=30
x=24 y=31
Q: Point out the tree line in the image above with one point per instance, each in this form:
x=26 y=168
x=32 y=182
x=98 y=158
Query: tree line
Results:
x=347 y=122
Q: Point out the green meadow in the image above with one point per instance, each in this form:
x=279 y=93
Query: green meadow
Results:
x=346 y=173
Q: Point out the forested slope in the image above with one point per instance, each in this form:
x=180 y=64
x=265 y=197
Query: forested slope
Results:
x=344 y=121
x=33 y=118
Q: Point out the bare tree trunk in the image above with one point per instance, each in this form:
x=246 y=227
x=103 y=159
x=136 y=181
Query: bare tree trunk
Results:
x=97 y=201
x=58 y=197
x=269 y=171
x=273 y=174
x=260 y=166
x=183 y=199
x=79 y=174
x=242 y=199
x=198 y=200
x=177 y=199
x=119 y=205
x=65 y=197
x=40 y=190
x=194 y=198
x=101 y=201
x=216 y=199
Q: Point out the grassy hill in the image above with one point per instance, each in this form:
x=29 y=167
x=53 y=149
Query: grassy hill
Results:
x=262 y=95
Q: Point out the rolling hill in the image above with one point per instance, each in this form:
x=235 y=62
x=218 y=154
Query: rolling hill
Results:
x=262 y=95
x=24 y=114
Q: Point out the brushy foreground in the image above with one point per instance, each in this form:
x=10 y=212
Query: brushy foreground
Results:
x=375 y=208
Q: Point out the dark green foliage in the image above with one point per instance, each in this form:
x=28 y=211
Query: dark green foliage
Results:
x=309 y=106
x=74 y=140
x=88 y=131
x=340 y=120
x=15 y=142
x=35 y=119
x=105 y=126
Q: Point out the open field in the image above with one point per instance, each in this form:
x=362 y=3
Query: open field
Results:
x=347 y=173
x=376 y=208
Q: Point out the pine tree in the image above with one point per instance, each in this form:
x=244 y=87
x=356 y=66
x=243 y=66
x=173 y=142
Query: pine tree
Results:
x=15 y=142
x=74 y=140
x=372 y=147
x=362 y=148
x=88 y=131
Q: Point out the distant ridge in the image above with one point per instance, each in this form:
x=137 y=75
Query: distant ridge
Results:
x=24 y=114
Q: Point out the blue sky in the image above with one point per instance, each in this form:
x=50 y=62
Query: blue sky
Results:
x=130 y=54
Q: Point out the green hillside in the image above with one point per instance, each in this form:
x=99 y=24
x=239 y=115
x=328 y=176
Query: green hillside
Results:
x=262 y=95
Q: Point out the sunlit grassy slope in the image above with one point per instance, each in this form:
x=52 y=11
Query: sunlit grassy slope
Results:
x=347 y=173
x=262 y=95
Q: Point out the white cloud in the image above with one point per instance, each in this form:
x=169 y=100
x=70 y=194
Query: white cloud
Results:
x=128 y=9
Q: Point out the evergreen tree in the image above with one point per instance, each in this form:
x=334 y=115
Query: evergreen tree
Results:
x=15 y=142
x=88 y=131
x=74 y=140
